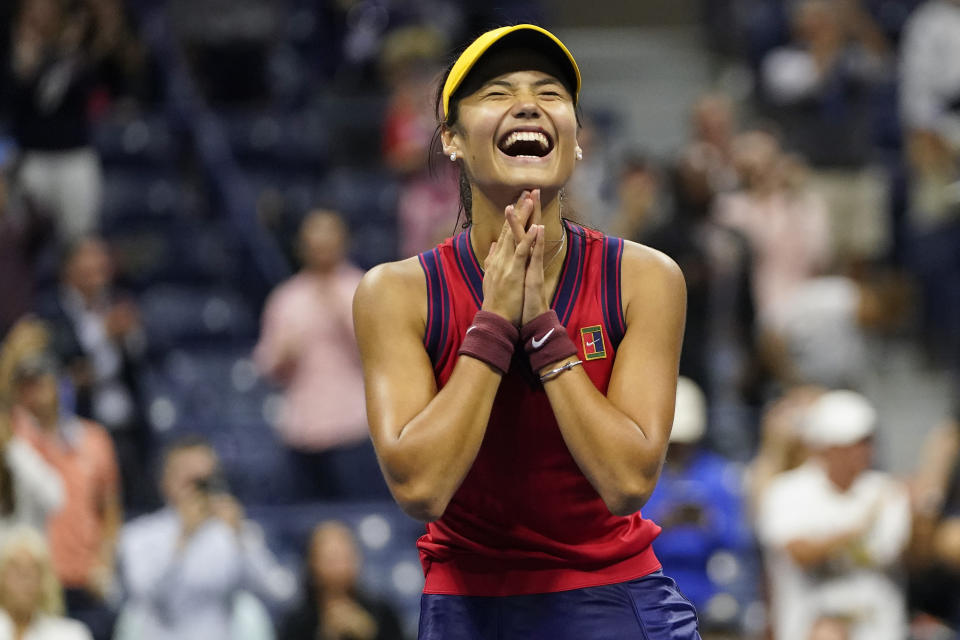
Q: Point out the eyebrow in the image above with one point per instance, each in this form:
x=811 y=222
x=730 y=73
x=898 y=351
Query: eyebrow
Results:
x=539 y=83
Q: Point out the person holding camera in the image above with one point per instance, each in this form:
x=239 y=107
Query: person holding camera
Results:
x=183 y=566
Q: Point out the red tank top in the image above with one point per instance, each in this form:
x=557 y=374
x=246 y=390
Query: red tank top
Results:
x=526 y=520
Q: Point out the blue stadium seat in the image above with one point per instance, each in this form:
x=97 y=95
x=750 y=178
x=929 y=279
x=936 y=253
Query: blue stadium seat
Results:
x=264 y=140
x=363 y=195
x=132 y=194
x=182 y=251
x=178 y=316
x=139 y=141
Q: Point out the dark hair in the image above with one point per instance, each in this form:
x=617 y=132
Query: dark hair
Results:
x=8 y=499
x=188 y=441
x=435 y=150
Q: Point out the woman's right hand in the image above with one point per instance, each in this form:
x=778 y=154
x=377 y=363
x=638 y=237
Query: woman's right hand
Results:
x=505 y=267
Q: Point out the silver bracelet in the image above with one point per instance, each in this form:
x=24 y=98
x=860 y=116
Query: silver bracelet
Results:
x=550 y=375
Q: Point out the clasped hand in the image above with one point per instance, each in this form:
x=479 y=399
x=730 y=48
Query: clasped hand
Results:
x=513 y=281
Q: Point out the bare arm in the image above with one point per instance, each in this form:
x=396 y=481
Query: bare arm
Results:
x=810 y=553
x=619 y=440
x=427 y=440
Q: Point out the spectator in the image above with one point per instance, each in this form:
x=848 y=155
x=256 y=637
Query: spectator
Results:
x=184 y=565
x=97 y=333
x=587 y=196
x=781 y=441
x=31 y=602
x=307 y=344
x=822 y=89
x=335 y=608
x=713 y=125
x=930 y=107
x=83 y=533
x=639 y=199
x=935 y=548
x=21 y=236
x=410 y=64
x=833 y=530
x=719 y=336
x=820 y=333
x=699 y=504
x=52 y=80
x=28 y=338
x=30 y=490
x=784 y=221
x=822 y=330
x=123 y=66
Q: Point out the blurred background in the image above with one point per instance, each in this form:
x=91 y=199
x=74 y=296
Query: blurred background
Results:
x=190 y=190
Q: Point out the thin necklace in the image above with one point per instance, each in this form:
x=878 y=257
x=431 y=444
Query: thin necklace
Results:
x=563 y=241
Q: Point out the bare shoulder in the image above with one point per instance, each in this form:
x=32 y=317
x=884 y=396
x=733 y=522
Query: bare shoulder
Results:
x=650 y=274
x=397 y=290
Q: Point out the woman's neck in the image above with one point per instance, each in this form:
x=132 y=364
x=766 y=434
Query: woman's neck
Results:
x=488 y=215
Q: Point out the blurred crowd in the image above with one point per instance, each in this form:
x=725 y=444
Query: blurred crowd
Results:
x=169 y=464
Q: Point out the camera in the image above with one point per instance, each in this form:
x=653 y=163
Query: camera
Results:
x=215 y=483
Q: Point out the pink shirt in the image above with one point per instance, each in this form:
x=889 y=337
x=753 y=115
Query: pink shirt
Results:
x=82 y=453
x=789 y=235
x=307 y=344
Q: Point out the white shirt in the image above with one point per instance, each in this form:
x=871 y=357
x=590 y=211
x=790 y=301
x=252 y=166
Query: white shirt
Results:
x=37 y=487
x=930 y=68
x=818 y=322
x=45 y=628
x=804 y=505
x=188 y=594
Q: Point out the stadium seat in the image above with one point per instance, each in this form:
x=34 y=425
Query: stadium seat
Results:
x=139 y=141
x=178 y=316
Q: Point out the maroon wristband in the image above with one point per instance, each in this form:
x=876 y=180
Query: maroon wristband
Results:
x=491 y=338
x=546 y=340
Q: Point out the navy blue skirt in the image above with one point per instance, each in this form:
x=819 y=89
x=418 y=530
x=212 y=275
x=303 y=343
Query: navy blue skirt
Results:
x=648 y=608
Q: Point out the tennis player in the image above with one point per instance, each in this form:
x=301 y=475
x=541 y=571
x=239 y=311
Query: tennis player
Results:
x=521 y=377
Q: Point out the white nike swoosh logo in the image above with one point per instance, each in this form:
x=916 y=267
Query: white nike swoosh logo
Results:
x=539 y=343
x=470 y=328
x=590 y=344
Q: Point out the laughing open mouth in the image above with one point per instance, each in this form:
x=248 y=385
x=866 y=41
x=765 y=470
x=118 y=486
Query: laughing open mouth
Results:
x=526 y=142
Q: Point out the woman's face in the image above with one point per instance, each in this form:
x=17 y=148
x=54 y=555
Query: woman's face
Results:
x=334 y=560
x=517 y=131
x=21 y=584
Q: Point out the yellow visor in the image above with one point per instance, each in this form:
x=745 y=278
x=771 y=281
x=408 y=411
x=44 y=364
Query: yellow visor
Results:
x=468 y=59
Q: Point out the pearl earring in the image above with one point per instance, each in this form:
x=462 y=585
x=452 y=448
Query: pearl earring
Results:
x=579 y=153
x=453 y=156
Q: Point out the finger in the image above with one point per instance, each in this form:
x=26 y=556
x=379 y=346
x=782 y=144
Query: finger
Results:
x=536 y=259
x=535 y=198
x=506 y=231
x=513 y=217
x=523 y=249
x=489 y=259
x=533 y=278
x=524 y=209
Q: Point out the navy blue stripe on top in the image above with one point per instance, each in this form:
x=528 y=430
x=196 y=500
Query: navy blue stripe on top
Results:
x=611 y=302
x=438 y=301
x=469 y=266
x=572 y=275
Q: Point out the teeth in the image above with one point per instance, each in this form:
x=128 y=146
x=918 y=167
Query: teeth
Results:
x=527 y=136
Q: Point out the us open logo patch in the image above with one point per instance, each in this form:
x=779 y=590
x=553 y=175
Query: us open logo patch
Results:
x=593 y=347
